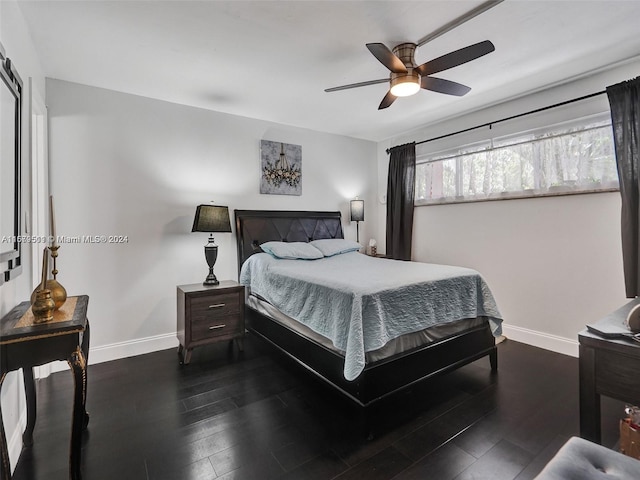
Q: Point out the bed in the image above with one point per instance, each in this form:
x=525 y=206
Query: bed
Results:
x=382 y=372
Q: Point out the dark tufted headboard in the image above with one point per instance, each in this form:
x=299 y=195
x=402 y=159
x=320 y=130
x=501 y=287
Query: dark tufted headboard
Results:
x=254 y=227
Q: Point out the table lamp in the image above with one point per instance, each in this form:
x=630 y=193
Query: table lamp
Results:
x=211 y=218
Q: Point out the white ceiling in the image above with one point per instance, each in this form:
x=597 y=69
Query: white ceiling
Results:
x=272 y=60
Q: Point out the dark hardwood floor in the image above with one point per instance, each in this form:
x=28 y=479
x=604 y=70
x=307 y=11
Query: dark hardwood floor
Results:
x=258 y=416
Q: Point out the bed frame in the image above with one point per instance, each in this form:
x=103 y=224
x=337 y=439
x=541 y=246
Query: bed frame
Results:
x=378 y=380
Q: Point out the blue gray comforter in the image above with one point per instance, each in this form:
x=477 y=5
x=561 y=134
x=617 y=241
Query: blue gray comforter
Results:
x=361 y=302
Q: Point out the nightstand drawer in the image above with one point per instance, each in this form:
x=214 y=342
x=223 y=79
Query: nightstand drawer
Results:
x=203 y=328
x=215 y=306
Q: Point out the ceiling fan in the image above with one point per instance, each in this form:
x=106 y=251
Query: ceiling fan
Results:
x=407 y=78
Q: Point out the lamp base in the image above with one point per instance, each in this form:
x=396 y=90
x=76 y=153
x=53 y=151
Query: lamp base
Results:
x=211 y=254
x=210 y=280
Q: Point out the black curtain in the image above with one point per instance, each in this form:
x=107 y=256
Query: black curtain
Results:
x=401 y=185
x=624 y=99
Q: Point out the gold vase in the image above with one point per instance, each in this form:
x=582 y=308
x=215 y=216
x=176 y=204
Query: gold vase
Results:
x=43 y=306
x=58 y=293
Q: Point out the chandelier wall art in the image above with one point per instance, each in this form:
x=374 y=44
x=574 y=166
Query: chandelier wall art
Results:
x=281 y=168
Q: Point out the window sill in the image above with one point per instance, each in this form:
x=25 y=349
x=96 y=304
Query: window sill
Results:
x=510 y=196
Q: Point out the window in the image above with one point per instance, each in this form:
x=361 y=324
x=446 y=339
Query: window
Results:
x=561 y=160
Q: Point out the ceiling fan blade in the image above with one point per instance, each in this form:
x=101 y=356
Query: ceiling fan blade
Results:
x=356 y=85
x=441 y=85
x=388 y=99
x=456 y=58
x=387 y=57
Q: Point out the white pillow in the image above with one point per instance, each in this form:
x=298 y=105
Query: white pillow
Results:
x=292 y=250
x=335 y=246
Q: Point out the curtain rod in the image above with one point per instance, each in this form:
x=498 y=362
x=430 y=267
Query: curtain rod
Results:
x=489 y=124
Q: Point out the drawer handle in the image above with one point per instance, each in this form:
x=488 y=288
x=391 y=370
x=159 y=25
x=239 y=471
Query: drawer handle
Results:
x=215 y=327
x=217 y=305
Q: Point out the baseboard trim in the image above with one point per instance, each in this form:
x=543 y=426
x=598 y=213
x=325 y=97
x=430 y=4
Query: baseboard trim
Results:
x=142 y=346
x=14 y=445
x=544 y=340
x=115 y=351
x=132 y=348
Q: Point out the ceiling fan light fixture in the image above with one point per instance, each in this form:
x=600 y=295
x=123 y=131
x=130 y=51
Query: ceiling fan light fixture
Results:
x=405 y=84
x=407 y=78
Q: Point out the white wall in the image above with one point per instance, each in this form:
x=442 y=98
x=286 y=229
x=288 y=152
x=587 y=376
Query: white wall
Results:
x=19 y=48
x=554 y=264
x=128 y=165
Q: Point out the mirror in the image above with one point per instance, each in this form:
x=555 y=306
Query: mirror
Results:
x=10 y=182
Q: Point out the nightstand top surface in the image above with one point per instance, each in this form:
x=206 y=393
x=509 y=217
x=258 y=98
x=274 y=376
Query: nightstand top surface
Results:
x=199 y=287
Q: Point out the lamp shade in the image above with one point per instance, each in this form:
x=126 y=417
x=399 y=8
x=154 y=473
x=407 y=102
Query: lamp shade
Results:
x=357 y=210
x=211 y=218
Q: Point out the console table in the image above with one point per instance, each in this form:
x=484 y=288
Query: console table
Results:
x=610 y=367
x=25 y=345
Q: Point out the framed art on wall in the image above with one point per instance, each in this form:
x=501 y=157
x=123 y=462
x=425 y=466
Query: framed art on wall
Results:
x=10 y=169
x=281 y=168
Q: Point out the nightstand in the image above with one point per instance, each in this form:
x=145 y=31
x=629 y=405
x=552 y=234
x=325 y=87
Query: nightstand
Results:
x=209 y=314
x=378 y=255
